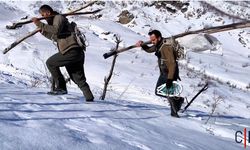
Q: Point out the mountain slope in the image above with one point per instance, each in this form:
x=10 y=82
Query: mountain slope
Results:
x=131 y=117
x=33 y=120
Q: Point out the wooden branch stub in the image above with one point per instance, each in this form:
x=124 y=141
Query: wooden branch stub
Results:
x=107 y=78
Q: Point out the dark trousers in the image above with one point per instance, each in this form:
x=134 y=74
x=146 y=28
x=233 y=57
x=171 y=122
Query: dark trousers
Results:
x=175 y=102
x=73 y=60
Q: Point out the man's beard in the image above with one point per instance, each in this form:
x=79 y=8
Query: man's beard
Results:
x=50 y=20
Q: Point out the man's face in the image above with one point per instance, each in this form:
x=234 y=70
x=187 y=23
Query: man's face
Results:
x=45 y=13
x=154 y=40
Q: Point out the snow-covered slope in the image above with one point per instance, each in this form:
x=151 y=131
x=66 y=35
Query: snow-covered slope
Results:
x=132 y=117
x=30 y=119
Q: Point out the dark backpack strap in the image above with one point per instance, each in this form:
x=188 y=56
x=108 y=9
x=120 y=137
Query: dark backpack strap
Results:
x=66 y=30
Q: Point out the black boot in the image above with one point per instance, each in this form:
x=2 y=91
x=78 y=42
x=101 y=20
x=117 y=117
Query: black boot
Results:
x=57 y=92
x=173 y=108
x=87 y=93
x=174 y=114
x=61 y=84
x=58 y=87
x=178 y=102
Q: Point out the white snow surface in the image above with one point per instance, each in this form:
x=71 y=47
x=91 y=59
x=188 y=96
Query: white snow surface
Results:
x=131 y=116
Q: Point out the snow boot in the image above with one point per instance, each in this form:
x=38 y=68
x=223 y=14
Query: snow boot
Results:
x=57 y=92
x=178 y=102
x=173 y=107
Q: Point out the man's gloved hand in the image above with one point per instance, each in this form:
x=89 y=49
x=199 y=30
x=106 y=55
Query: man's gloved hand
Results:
x=35 y=20
x=169 y=83
x=139 y=43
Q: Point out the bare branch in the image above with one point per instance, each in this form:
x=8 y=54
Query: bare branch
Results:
x=207 y=30
x=19 y=24
x=20 y=40
x=109 y=54
x=83 y=7
x=216 y=29
x=217 y=100
x=107 y=79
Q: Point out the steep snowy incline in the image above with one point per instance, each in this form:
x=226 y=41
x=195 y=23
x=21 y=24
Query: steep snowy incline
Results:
x=131 y=117
x=34 y=120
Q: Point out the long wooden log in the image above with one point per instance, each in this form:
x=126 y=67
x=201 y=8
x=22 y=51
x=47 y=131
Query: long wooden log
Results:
x=207 y=31
x=37 y=30
x=109 y=54
x=20 y=40
x=216 y=29
x=19 y=24
x=83 y=7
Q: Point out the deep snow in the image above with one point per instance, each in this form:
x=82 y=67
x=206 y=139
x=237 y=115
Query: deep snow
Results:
x=131 y=117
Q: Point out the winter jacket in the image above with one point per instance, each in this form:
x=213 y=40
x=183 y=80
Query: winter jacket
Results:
x=60 y=32
x=166 y=58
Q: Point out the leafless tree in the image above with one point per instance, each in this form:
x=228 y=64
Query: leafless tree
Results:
x=217 y=99
x=107 y=78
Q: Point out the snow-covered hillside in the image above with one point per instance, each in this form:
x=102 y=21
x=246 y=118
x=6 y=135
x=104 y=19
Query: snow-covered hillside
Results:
x=30 y=119
x=131 y=117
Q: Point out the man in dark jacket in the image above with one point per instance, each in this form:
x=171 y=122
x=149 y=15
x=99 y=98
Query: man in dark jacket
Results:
x=168 y=65
x=70 y=54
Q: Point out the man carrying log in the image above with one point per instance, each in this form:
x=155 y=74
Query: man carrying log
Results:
x=169 y=71
x=70 y=55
